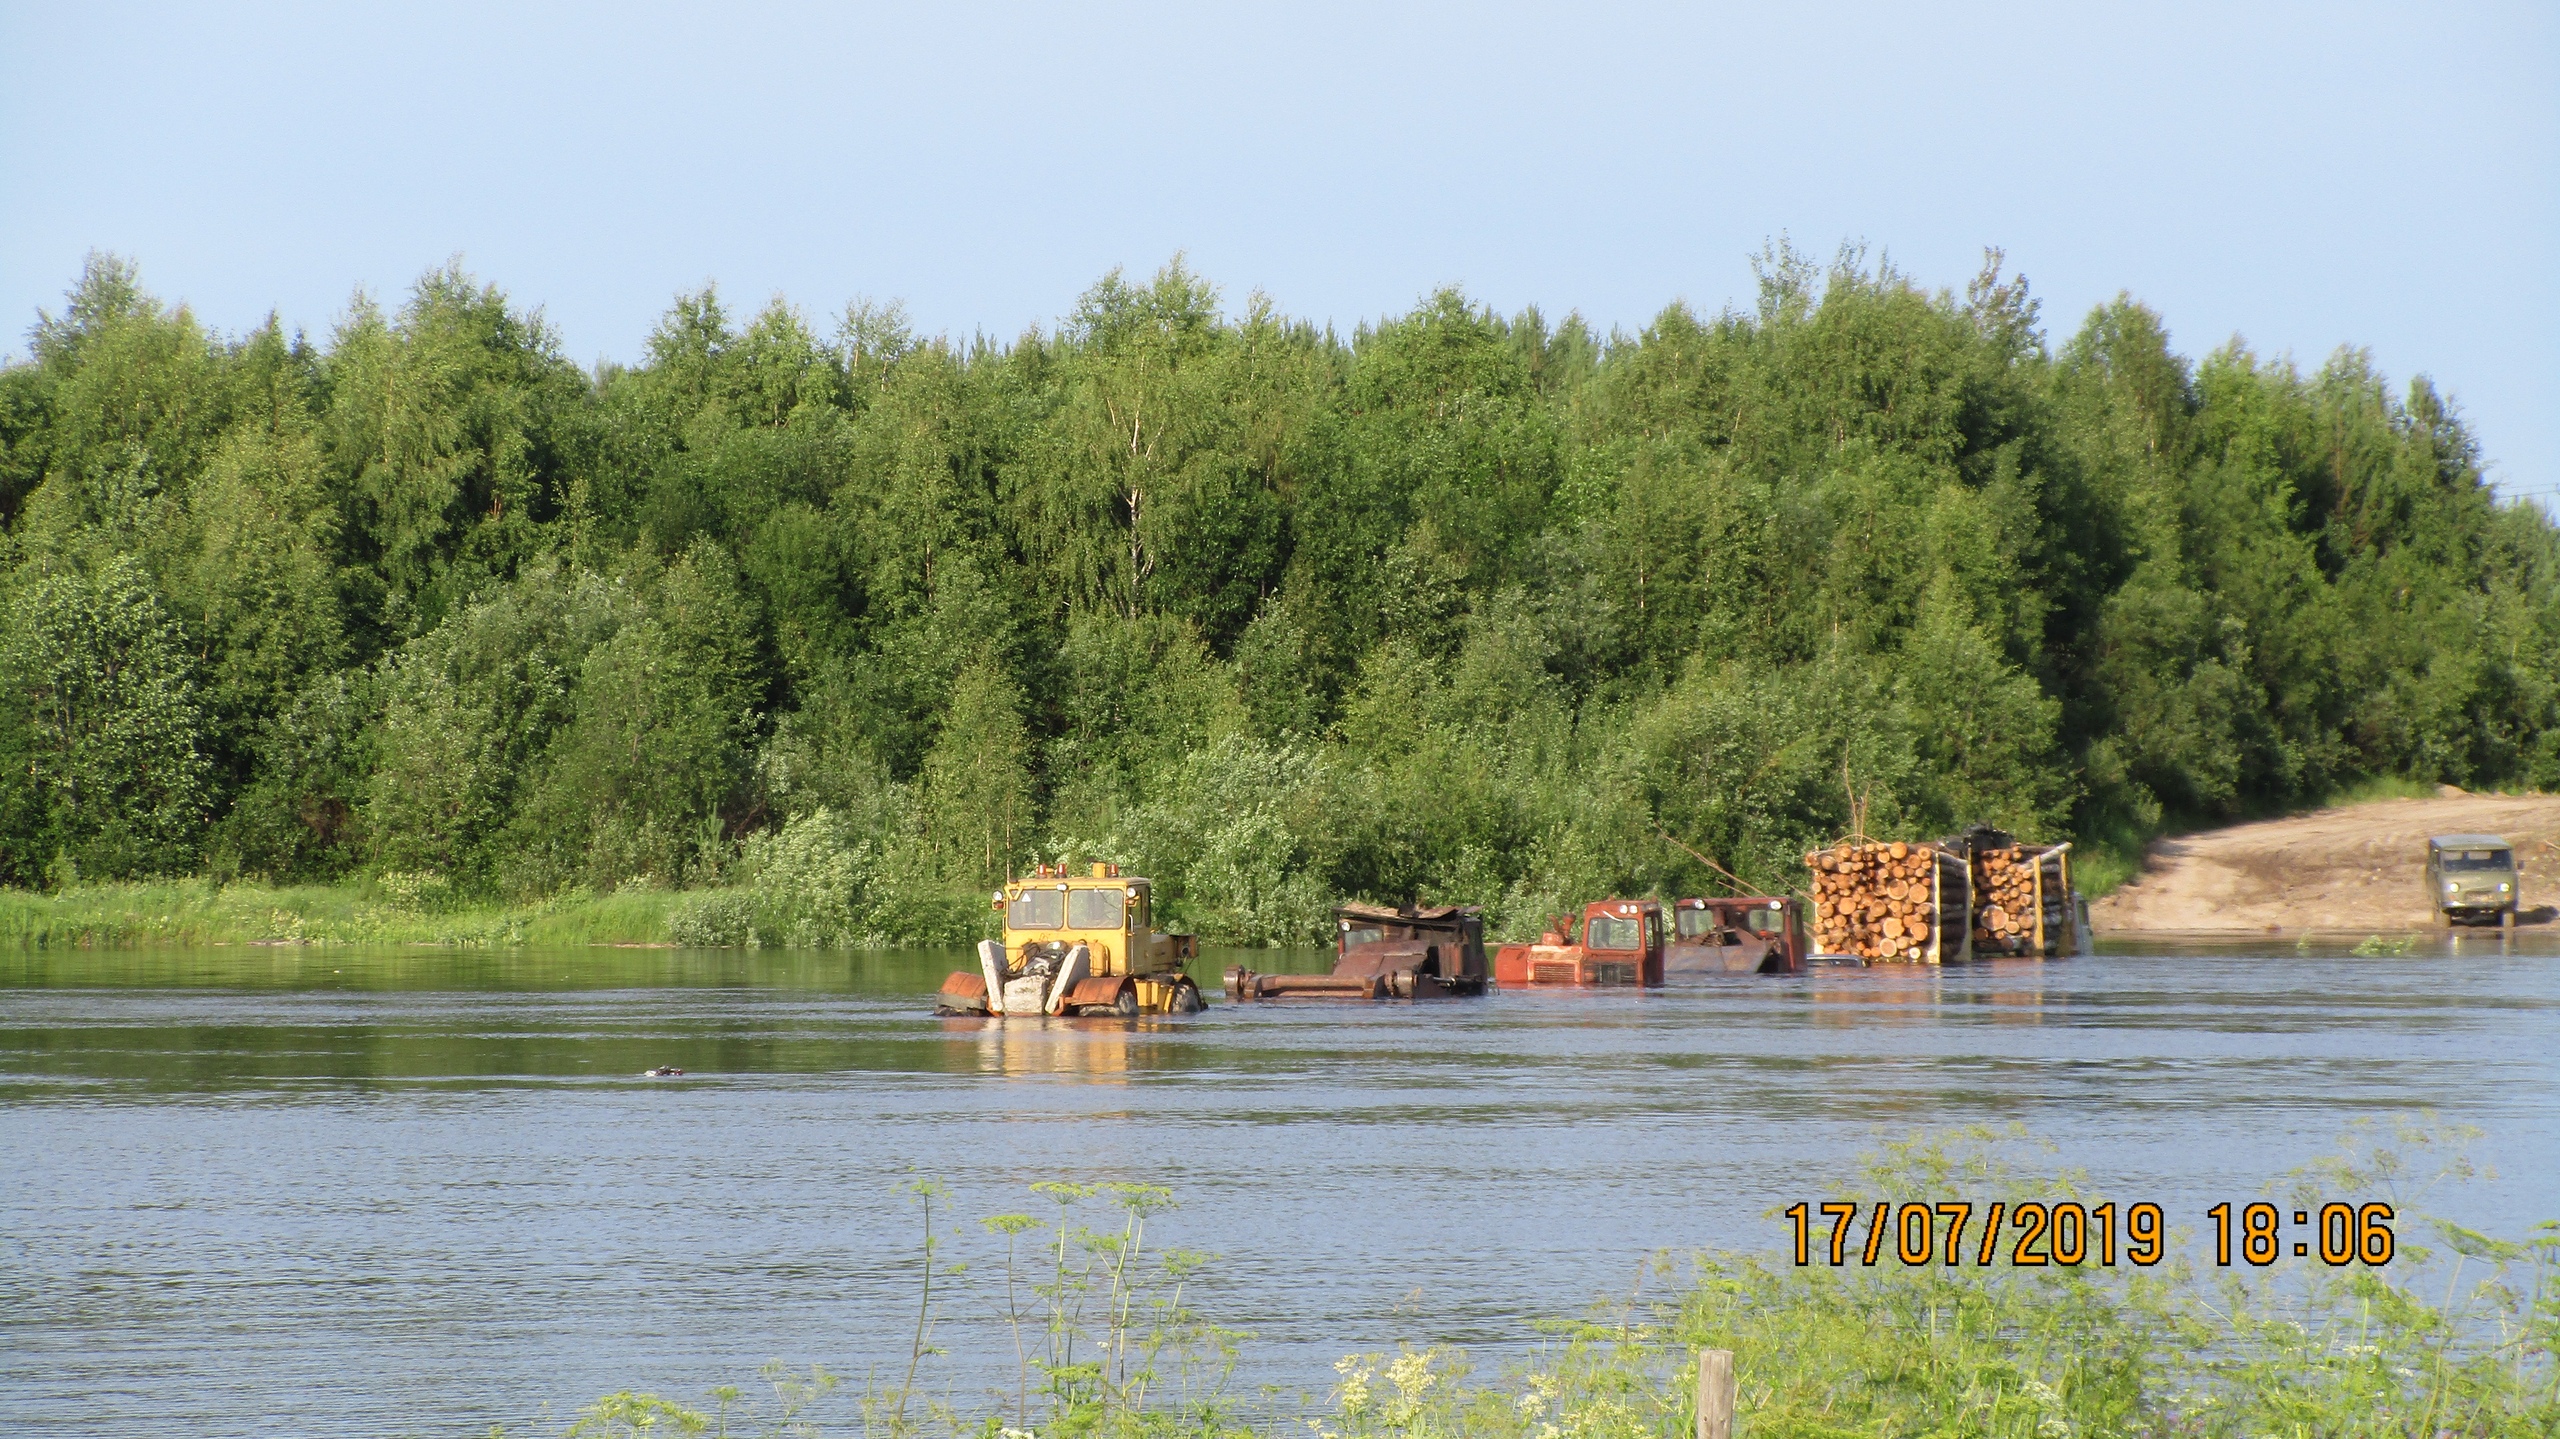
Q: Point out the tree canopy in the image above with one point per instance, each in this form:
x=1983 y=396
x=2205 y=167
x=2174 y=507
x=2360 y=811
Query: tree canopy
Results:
x=1458 y=606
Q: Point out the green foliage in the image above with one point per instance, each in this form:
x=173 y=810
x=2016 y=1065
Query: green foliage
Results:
x=977 y=788
x=1458 y=607
x=100 y=700
x=640 y=780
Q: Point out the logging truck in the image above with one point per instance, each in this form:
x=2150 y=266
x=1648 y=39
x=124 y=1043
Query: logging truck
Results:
x=1076 y=945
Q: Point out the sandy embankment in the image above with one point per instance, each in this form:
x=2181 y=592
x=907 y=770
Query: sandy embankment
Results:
x=2355 y=867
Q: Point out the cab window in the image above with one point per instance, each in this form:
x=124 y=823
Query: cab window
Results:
x=1652 y=929
x=1094 y=908
x=1694 y=922
x=2476 y=859
x=1363 y=934
x=1036 y=909
x=1612 y=932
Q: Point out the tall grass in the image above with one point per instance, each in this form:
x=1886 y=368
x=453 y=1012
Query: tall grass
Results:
x=2454 y=1338
x=385 y=911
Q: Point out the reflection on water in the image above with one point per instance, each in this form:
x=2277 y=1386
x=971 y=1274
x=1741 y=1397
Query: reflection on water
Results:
x=429 y=1190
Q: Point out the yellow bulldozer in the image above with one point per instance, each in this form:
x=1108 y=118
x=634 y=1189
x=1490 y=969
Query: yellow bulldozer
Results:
x=1076 y=945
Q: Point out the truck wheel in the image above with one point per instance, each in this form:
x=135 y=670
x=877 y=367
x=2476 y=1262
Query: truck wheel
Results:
x=1186 y=999
x=1126 y=1006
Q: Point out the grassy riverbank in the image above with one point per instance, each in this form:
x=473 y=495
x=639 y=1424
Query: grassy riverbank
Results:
x=204 y=912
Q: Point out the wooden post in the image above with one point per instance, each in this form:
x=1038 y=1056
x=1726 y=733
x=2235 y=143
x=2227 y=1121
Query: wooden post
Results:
x=1715 y=1394
x=2041 y=951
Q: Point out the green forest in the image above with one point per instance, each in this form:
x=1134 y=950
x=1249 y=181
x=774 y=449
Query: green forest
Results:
x=845 y=623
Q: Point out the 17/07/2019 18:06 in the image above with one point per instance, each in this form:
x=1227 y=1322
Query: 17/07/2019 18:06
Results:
x=2066 y=1233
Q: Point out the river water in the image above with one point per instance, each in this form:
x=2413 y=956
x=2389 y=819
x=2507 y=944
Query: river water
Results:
x=317 y=1191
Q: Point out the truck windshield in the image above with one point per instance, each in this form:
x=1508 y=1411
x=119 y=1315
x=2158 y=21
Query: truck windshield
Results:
x=1036 y=909
x=1608 y=932
x=1093 y=909
x=1693 y=922
x=2477 y=859
x=1364 y=934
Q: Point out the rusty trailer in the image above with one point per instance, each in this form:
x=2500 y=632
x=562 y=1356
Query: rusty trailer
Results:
x=1416 y=952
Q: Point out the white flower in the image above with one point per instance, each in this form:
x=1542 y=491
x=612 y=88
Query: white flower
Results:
x=1411 y=1373
x=1355 y=1382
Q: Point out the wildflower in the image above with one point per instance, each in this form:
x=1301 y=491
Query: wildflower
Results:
x=1411 y=1373
x=1355 y=1382
x=2051 y=1423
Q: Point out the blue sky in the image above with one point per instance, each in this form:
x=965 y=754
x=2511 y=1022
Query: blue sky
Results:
x=2299 y=175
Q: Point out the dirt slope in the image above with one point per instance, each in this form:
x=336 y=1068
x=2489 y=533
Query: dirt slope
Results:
x=2356 y=867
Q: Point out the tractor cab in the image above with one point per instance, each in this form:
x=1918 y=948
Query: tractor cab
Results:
x=1746 y=935
x=1081 y=944
x=1621 y=942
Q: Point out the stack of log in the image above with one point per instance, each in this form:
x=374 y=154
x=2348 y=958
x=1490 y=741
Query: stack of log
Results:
x=1889 y=901
x=2004 y=911
x=2022 y=898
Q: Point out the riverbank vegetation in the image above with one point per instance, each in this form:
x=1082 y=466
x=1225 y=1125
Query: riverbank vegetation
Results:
x=839 y=624
x=2455 y=1337
x=395 y=908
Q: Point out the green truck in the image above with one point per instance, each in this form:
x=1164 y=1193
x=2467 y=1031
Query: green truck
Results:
x=2472 y=879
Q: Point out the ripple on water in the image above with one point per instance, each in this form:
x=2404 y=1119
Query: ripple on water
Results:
x=429 y=1192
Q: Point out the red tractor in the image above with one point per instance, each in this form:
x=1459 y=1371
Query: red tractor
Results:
x=1621 y=943
x=1753 y=935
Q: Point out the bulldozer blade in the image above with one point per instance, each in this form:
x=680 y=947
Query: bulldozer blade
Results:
x=1071 y=976
x=963 y=993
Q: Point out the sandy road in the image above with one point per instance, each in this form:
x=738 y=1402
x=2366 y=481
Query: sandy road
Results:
x=2355 y=867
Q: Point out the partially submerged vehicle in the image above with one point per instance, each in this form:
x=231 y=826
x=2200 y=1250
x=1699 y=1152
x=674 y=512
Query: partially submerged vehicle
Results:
x=1759 y=934
x=2472 y=879
x=1076 y=945
x=1621 y=943
x=1416 y=952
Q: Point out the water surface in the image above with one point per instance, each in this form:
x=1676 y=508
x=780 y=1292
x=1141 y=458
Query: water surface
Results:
x=271 y=1190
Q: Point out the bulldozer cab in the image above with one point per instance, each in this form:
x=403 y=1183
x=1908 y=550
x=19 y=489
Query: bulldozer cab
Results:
x=1106 y=912
x=1620 y=924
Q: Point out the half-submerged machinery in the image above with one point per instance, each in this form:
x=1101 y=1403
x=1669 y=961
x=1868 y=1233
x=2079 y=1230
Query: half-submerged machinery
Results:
x=1416 y=952
x=1621 y=943
x=1760 y=934
x=1076 y=945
